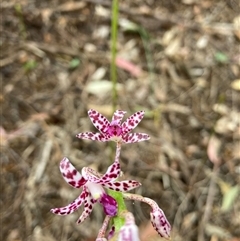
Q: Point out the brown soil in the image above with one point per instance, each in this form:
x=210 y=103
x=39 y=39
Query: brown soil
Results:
x=183 y=69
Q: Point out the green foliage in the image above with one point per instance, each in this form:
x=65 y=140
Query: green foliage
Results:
x=221 y=58
x=74 y=63
x=30 y=65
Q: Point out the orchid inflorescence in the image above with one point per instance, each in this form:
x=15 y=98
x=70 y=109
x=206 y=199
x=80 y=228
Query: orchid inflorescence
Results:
x=95 y=185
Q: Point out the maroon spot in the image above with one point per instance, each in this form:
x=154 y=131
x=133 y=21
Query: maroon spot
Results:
x=113 y=175
x=81 y=182
x=73 y=183
x=69 y=175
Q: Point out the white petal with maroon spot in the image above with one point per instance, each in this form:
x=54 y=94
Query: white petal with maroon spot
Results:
x=73 y=206
x=122 y=186
x=88 y=207
x=93 y=136
x=70 y=174
x=99 y=121
x=132 y=121
x=135 y=137
x=118 y=116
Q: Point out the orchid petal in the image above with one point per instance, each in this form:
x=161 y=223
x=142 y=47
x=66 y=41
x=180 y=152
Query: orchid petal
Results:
x=70 y=174
x=112 y=173
x=93 y=136
x=70 y=208
x=122 y=186
x=98 y=120
x=90 y=174
x=135 y=137
x=132 y=121
x=117 y=116
x=88 y=207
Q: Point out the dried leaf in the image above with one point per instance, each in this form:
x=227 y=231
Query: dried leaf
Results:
x=98 y=74
x=224 y=186
x=218 y=231
x=173 y=48
x=236 y=25
x=128 y=25
x=106 y=110
x=236 y=84
x=101 y=87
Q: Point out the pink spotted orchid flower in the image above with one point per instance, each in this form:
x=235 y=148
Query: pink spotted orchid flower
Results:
x=93 y=184
x=114 y=130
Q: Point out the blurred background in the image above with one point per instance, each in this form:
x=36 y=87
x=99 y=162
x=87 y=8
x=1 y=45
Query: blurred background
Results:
x=177 y=60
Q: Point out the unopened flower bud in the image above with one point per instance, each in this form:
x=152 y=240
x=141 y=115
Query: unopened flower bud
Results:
x=129 y=231
x=160 y=222
x=158 y=218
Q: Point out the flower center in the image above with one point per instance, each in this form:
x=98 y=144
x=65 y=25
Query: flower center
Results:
x=114 y=130
x=95 y=189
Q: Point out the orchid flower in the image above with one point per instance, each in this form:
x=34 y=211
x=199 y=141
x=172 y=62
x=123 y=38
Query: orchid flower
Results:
x=114 y=130
x=93 y=184
x=158 y=218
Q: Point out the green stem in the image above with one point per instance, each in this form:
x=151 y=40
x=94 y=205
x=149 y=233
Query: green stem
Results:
x=114 y=31
x=22 y=28
x=150 y=63
x=118 y=221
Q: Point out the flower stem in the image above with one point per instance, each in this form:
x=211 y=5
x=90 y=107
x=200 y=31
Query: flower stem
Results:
x=118 y=220
x=114 y=32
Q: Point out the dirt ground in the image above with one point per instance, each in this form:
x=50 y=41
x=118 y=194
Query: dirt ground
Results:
x=177 y=60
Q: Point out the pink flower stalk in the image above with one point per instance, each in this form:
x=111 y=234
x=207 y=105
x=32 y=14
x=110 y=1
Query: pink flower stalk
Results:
x=93 y=184
x=102 y=231
x=114 y=130
x=158 y=218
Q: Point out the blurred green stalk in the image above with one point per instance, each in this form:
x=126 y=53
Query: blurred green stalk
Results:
x=22 y=28
x=114 y=32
